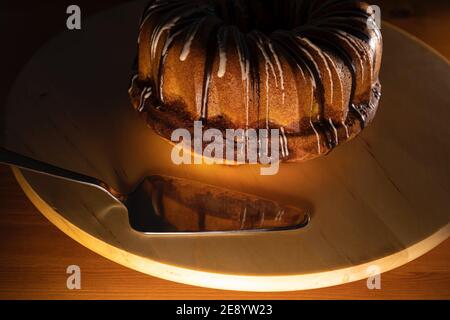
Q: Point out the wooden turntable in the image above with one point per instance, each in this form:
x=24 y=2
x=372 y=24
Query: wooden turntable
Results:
x=380 y=200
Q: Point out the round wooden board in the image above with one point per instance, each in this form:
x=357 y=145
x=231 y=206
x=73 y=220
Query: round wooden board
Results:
x=379 y=200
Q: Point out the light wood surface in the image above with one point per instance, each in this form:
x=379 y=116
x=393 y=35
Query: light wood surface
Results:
x=406 y=231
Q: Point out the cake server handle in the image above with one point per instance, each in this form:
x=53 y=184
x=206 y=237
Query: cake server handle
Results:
x=18 y=160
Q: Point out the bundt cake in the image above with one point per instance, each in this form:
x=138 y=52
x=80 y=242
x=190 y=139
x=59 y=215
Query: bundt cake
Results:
x=307 y=67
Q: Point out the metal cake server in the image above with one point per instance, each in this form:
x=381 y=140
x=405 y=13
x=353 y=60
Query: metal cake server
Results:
x=163 y=204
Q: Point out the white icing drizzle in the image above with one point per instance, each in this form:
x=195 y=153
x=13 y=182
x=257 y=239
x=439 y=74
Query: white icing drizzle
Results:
x=319 y=52
x=329 y=62
x=205 y=96
x=284 y=144
x=147 y=14
x=267 y=96
x=161 y=84
x=262 y=218
x=222 y=54
x=346 y=129
x=222 y=63
x=268 y=64
x=132 y=83
x=363 y=117
x=145 y=94
x=198 y=101
x=267 y=144
x=282 y=147
x=159 y=32
x=317 y=68
x=246 y=100
x=169 y=42
x=246 y=79
x=279 y=215
x=267 y=59
x=243 y=218
x=154 y=6
x=187 y=45
x=142 y=24
x=336 y=138
x=243 y=64
x=354 y=45
x=280 y=70
x=163 y=61
x=363 y=54
x=245 y=70
x=319 y=151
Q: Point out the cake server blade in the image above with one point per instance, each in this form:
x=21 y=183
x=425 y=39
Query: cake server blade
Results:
x=169 y=205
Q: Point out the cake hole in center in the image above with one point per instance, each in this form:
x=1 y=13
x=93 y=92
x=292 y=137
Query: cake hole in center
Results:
x=265 y=16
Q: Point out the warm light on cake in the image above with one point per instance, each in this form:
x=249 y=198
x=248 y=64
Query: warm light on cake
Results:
x=307 y=68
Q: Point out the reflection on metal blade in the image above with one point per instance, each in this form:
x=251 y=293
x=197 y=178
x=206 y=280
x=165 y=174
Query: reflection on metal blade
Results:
x=181 y=205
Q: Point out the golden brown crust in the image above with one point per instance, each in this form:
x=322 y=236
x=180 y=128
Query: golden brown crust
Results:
x=318 y=84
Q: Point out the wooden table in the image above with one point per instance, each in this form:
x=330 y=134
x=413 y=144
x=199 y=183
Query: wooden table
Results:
x=34 y=254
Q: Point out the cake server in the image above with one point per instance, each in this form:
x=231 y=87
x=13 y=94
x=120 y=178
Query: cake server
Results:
x=164 y=204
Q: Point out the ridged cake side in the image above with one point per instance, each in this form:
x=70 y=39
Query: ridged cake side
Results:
x=309 y=68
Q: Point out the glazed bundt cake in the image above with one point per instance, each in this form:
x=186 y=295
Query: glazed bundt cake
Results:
x=307 y=67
